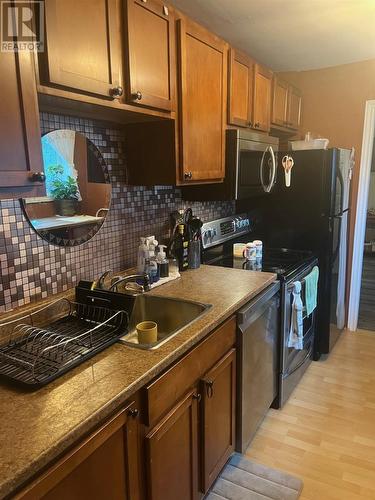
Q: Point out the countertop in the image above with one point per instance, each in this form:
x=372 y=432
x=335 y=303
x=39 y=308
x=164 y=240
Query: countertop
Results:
x=37 y=427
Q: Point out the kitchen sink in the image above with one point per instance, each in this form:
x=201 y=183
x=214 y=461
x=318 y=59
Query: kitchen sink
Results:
x=171 y=316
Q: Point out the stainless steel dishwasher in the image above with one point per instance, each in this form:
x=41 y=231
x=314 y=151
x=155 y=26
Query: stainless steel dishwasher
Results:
x=258 y=362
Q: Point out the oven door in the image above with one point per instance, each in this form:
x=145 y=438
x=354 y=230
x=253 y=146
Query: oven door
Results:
x=294 y=362
x=256 y=170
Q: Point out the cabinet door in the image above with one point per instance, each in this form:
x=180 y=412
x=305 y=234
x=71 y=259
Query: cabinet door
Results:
x=105 y=465
x=262 y=98
x=279 y=102
x=294 y=108
x=20 y=146
x=240 y=102
x=218 y=404
x=203 y=93
x=150 y=54
x=83 y=46
x=172 y=456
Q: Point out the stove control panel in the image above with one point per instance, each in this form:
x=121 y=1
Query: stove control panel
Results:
x=221 y=230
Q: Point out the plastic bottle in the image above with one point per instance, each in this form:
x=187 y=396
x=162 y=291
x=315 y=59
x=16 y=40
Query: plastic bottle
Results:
x=142 y=249
x=173 y=266
x=163 y=264
x=153 y=266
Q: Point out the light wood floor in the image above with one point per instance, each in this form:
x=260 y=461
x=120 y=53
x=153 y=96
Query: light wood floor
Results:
x=325 y=434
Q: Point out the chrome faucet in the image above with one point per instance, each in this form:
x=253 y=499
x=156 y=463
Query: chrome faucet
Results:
x=100 y=281
x=132 y=277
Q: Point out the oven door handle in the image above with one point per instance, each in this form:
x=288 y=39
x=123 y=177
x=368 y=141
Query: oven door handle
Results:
x=268 y=188
x=302 y=362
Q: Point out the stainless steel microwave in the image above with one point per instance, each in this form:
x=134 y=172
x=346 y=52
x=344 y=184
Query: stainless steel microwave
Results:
x=252 y=161
x=250 y=169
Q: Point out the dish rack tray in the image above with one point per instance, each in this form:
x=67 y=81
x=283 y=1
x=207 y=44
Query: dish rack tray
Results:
x=35 y=355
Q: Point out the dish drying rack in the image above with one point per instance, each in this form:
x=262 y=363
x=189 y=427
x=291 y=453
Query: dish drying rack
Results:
x=35 y=355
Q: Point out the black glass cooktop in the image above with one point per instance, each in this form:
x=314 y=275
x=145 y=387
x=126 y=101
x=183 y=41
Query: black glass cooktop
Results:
x=281 y=261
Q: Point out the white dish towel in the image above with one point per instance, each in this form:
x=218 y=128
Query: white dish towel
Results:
x=296 y=324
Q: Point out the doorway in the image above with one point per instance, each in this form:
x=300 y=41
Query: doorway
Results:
x=366 y=315
x=363 y=264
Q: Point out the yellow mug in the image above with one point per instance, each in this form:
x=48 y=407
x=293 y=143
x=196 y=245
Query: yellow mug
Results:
x=147 y=332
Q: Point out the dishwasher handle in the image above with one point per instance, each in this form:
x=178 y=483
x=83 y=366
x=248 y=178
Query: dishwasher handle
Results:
x=245 y=316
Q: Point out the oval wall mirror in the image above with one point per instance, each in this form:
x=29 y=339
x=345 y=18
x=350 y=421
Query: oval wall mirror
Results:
x=78 y=190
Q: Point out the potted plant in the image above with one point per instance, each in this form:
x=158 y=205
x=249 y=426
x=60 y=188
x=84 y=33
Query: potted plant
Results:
x=64 y=191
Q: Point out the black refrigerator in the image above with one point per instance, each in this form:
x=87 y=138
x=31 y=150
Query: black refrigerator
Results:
x=313 y=214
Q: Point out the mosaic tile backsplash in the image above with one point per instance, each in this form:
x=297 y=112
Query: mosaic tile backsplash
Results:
x=32 y=269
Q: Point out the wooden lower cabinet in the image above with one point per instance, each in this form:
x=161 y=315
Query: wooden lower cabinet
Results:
x=191 y=413
x=105 y=465
x=172 y=453
x=169 y=443
x=218 y=417
x=187 y=449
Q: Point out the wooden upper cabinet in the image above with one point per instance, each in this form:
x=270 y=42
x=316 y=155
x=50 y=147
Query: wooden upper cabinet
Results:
x=83 y=46
x=219 y=412
x=21 y=163
x=203 y=98
x=240 y=89
x=286 y=105
x=279 y=102
x=150 y=54
x=172 y=453
x=294 y=107
x=262 y=98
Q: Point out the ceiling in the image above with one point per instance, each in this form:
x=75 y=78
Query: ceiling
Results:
x=291 y=34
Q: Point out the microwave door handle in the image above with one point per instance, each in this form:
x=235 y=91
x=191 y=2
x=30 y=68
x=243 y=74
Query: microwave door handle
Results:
x=261 y=171
x=267 y=189
x=273 y=176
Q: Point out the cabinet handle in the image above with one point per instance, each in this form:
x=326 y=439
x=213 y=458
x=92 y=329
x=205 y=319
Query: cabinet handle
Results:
x=209 y=388
x=188 y=176
x=116 y=92
x=198 y=397
x=37 y=177
x=133 y=412
x=137 y=96
x=165 y=10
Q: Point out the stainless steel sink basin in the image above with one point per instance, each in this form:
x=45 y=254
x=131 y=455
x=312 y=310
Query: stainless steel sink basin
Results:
x=171 y=316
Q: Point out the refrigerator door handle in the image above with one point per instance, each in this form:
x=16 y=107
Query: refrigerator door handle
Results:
x=341 y=181
x=337 y=249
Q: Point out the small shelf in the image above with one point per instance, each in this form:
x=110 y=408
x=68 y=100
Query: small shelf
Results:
x=61 y=221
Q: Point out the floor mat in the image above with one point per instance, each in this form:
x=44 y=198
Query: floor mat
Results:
x=242 y=479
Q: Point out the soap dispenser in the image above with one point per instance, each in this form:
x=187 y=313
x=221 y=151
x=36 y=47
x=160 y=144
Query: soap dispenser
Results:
x=154 y=270
x=142 y=252
x=163 y=264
